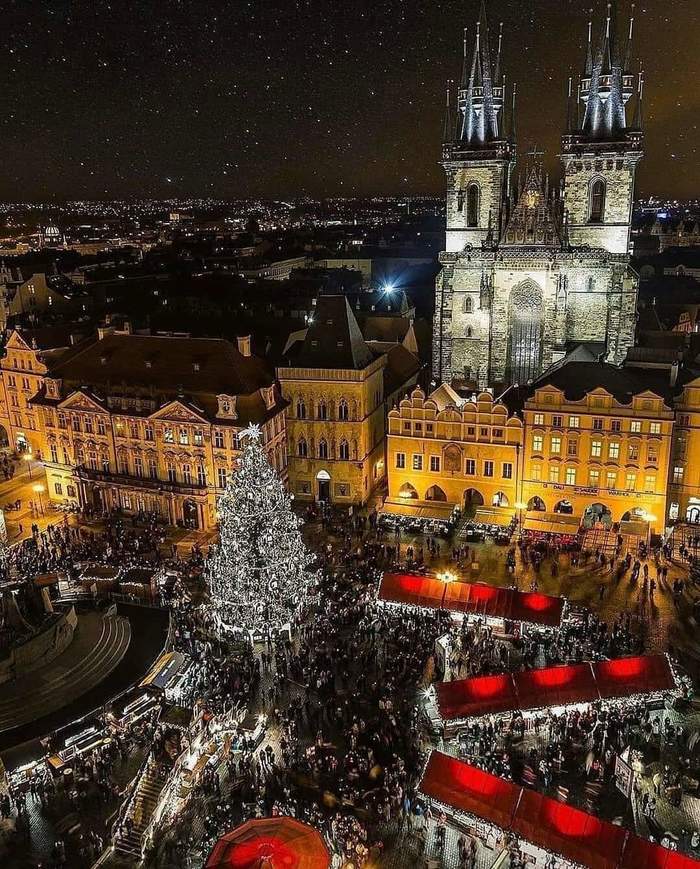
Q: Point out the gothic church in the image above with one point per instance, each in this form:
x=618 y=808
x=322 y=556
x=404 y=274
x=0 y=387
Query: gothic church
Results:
x=533 y=270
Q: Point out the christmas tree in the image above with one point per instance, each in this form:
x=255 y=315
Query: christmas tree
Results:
x=258 y=575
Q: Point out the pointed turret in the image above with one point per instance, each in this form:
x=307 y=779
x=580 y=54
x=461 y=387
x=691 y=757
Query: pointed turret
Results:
x=481 y=93
x=607 y=82
x=448 y=129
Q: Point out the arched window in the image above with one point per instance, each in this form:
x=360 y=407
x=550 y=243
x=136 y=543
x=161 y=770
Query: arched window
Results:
x=343 y=409
x=473 y=205
x=301 y=409
x=322 y=449
x=344 y=450
x=597 y=210
x=322 y=410
x=468 y=305
x=469 y=331
x=302 y=448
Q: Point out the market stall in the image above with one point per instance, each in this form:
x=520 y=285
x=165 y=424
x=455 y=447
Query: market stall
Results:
x=139 y=582
x=552 y=687
x=430 y=517
x=99 y=578
x=551 y=826
x=473 y=599
x=270 y=843
x=538 y=524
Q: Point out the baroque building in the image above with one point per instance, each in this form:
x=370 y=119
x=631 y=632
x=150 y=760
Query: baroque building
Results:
x=532 y=269
x=139 y=422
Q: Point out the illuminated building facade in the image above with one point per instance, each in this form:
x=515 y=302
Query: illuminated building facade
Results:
x=531 y=269
x=140 y=423
x=338 y=390
x=443 y=448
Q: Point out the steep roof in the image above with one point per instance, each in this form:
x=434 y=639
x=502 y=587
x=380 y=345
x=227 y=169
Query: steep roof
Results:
x=164 y=364
x=334 y=339
x=576 y=379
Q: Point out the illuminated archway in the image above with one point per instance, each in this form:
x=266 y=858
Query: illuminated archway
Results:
x=536 y=503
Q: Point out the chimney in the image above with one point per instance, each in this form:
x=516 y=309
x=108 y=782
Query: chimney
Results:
x=244 y=345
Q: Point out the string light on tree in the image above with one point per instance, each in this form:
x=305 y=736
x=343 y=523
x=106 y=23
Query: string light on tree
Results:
x=258 y=576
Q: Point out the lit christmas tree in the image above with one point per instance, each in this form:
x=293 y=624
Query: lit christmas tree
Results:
x=258 y=575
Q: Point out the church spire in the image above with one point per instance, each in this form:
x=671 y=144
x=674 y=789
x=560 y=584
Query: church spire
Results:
x=607 y=83
x=448 y=129
x=481 y=92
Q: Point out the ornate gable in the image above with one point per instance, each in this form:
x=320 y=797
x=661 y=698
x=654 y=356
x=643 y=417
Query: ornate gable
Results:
x=16 y=342
x=178 y=411
x=80 y=400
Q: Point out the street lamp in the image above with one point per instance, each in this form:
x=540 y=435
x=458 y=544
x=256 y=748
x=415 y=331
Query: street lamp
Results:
x=28 y=459
x=39 y=489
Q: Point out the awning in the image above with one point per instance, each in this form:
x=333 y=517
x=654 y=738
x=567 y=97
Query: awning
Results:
x=440 y=510
x=407 y=588
x=494 y=516
x=482 y=695
x=469 y=789
x=555 y=686
x=540 y=609
x=623 y=677
x=551 y=523
x=557 y=827
x=562 y=829
x=642 y=854
x=473 y=598
x=270 y=843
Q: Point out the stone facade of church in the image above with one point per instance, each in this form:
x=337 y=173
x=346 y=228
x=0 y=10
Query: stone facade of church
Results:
x=531 y=269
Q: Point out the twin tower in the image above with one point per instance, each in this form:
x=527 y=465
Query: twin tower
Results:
x=532 y=270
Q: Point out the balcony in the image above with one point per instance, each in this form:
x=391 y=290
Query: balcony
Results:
x=82 y=472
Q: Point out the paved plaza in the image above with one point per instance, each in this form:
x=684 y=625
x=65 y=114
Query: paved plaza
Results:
x=363 y=664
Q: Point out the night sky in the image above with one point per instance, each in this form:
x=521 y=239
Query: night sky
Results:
x=273 y=98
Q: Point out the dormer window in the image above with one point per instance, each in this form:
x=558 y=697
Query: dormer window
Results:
x=227 y=407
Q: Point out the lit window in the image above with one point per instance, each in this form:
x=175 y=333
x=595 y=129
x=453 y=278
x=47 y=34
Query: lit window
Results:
x=417 y=462
x=635 y=426
x=435 y=463
x=614 y=450
x=221 y=476
x=596 y=449
x=537 y=472
x=554 y=473
x=219 y=440
x=630 y=481
x=400 y=460
x=571 y=476
x=594 y=478
x=555 y=445
x=678 y=474
x=184 y=437
x=537 y=443
x=650 y=482
x=611 y=479
x=539 y=419
x=655 y=428
x=633 y=452
x=574 y=422
x=168 y=436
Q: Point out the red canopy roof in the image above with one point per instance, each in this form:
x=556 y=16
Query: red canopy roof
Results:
x=470 y=789
x=574 y=834
x=476 y=598
x=273 y=843
x=411 y=589
x=623 y=677
x=555 y=686
x=482 y=695
x=642 y=854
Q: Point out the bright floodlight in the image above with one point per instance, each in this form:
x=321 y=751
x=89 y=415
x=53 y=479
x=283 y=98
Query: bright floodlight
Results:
x=388 y=288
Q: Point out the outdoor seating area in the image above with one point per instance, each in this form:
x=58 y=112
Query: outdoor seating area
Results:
x=435 y=518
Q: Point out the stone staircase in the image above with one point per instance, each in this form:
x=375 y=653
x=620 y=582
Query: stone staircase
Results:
x=145 y=799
